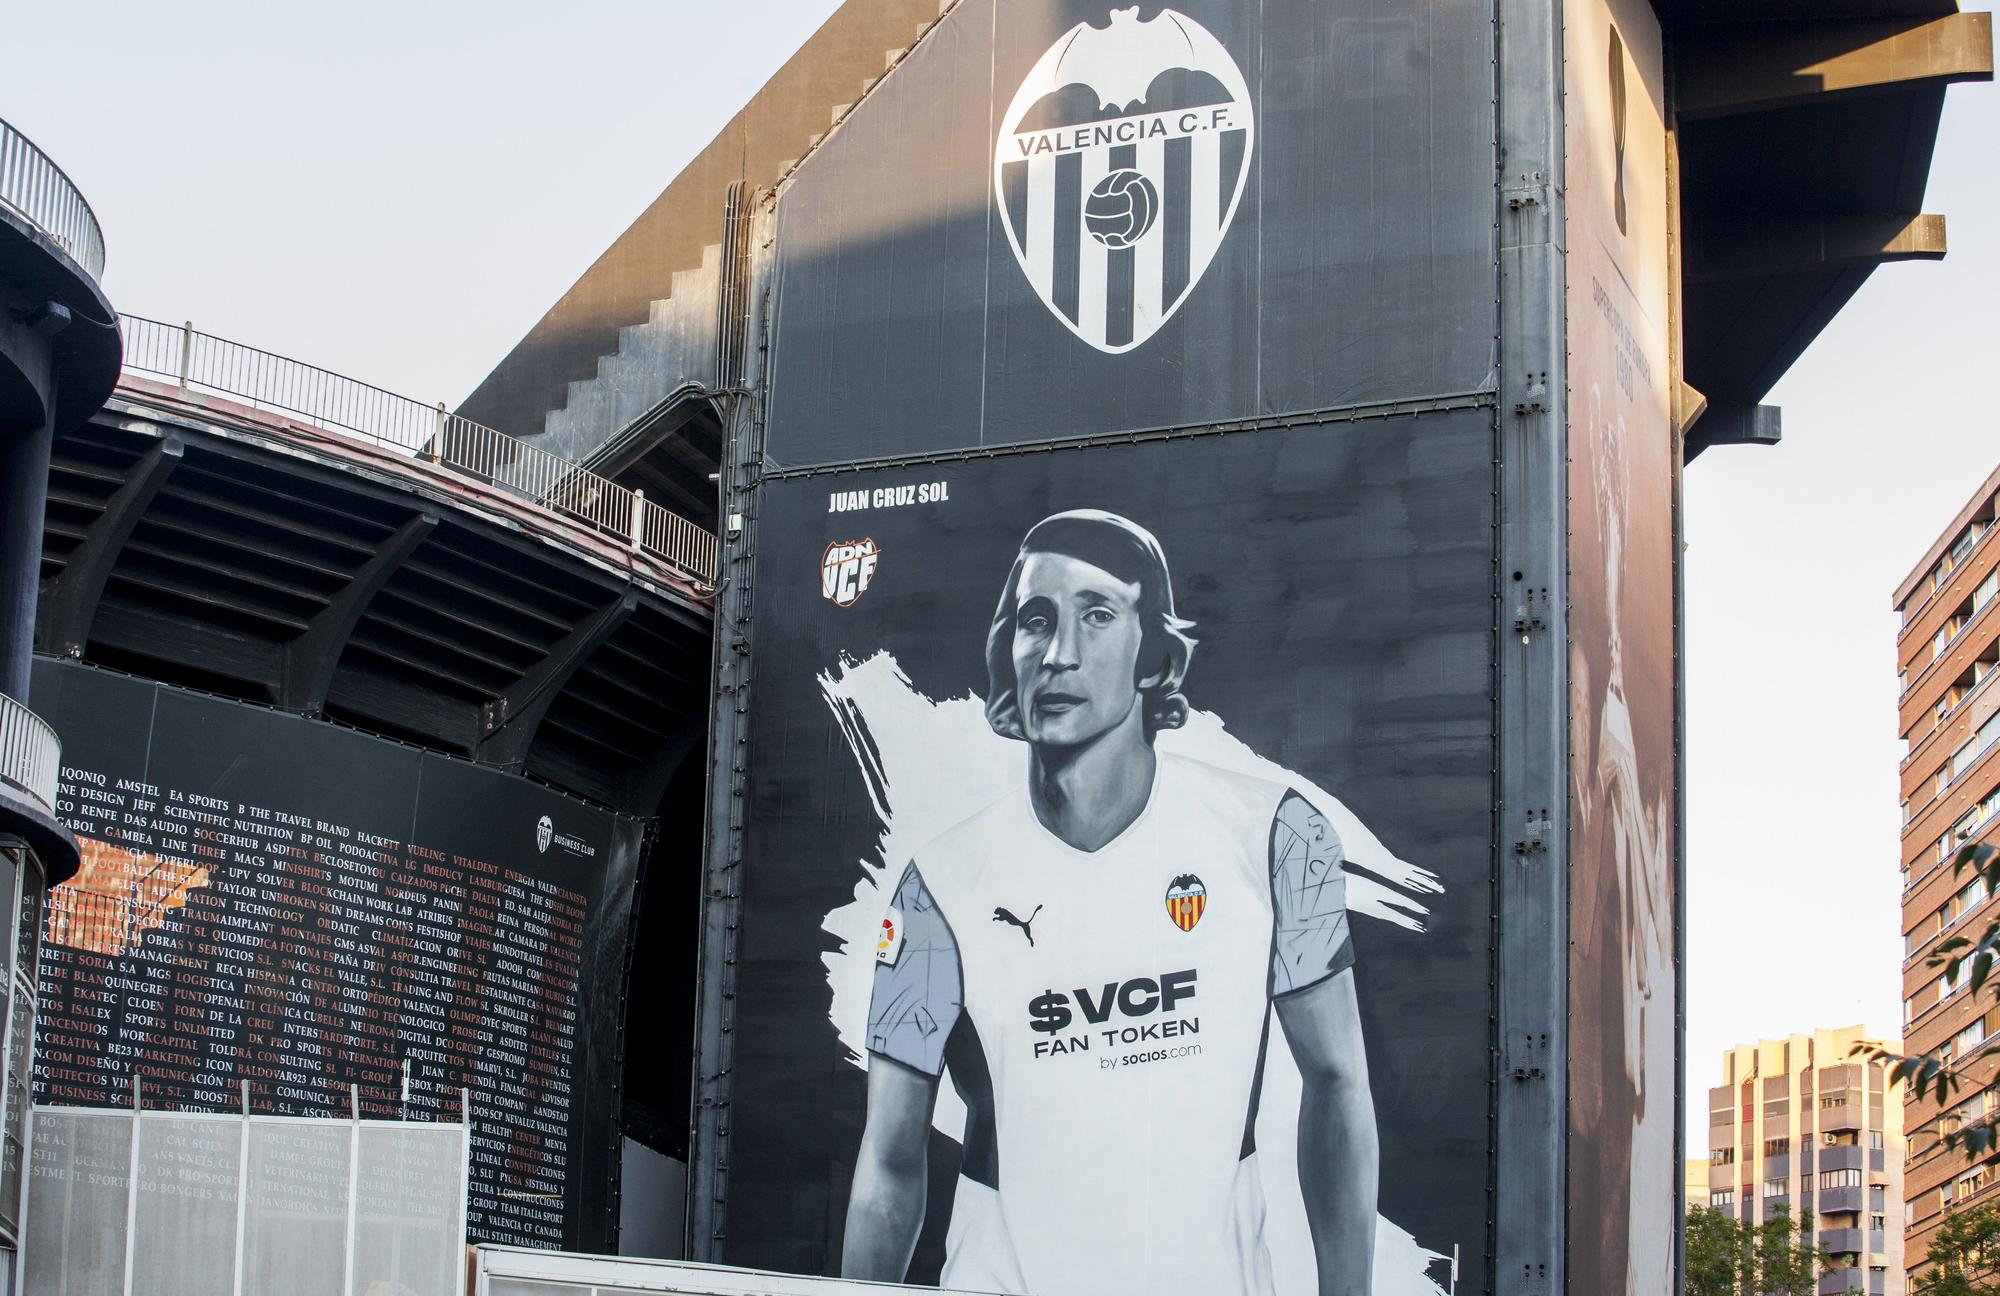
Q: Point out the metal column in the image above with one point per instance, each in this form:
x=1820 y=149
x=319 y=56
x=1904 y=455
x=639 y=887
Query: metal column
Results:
x=1532 y=927
x=721 y=898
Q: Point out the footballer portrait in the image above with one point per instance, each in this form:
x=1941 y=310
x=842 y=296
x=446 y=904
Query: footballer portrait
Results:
x=1102 y=960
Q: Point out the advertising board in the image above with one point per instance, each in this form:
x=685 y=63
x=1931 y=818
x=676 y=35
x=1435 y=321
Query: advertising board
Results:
x=1624 y=463
x=1117 y=897
x=278 y=901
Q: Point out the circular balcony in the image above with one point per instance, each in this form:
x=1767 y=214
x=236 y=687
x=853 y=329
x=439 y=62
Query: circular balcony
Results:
x=30 y=764
x=59 y=343
x=35 y=188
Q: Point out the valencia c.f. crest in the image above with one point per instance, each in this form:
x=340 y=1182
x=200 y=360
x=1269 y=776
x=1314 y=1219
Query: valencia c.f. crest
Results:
x=1186 y=898
x=1119 y=168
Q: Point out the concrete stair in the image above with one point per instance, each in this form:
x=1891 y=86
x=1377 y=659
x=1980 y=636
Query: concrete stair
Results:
x=677 y=342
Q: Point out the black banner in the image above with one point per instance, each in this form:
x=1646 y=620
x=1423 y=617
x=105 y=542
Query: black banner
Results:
x=1059 y=218
x=1120 y=847
x=277 y=900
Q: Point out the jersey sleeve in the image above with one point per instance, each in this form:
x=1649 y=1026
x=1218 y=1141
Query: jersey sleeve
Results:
x=919 y=990
x=1311 y=940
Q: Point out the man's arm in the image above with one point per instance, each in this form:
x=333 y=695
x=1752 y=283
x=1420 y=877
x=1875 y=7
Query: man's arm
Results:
x=916 y=1000
x=1339 y=1155
x=1312 y=984
x=885 y=1210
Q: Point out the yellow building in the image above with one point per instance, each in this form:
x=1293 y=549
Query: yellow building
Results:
x=1805 y=1124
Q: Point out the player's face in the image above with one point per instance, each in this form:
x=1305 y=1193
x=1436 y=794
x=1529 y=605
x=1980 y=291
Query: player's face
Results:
x=1077 y=633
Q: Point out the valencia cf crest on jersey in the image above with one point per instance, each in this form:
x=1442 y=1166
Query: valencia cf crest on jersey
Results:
x=1119 y=168
x=1186 y=898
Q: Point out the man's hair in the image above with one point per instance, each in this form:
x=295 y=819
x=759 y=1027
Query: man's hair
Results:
x=1129 y=552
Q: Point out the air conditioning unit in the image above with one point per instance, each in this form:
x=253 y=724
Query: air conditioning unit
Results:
x=1829 y=1139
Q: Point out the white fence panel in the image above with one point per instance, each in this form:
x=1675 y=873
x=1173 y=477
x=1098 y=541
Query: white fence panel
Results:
x=227 y=1205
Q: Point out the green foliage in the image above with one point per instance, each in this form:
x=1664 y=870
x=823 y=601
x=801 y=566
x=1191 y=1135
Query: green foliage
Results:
x=1963 y=1254
x=1714 y=1251
x=1974 y=958
x=1728 y=1258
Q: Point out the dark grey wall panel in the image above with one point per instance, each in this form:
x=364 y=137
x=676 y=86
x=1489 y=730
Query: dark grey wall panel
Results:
x=1358 y=266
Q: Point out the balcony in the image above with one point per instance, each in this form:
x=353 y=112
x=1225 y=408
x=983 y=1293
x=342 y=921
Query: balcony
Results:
x=1833 y=1201
x=1841 y=1157
x=1842 y=1116
x=1841 y=1241
x=30 y=754
x=30 y=762
x=1842 y=1280
x=35 y=188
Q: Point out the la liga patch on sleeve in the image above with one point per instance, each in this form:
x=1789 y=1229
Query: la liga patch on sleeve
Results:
x=889 y=939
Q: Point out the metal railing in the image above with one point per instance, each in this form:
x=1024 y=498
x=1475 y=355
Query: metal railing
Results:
x=36 y=187
x=427 y=432
x=30 y=753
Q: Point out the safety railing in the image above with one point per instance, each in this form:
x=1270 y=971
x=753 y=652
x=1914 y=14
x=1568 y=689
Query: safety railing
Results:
x=428 y=432
x=30 y=753
x=36 y=187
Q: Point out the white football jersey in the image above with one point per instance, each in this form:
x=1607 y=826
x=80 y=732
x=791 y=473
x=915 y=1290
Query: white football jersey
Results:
x=1105 y=1015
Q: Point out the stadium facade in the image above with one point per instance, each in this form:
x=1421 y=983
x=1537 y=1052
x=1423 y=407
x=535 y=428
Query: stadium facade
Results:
x=1169 y=778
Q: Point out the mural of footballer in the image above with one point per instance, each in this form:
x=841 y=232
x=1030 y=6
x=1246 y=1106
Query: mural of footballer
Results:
x=1100 y=963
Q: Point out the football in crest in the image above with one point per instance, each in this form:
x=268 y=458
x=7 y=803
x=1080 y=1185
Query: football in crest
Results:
x=1121 y=210
x=1186 y=899
x=1119 y=168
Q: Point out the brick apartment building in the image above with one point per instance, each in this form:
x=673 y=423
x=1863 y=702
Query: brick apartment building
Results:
x=1950 y=717
x=1802 y=1123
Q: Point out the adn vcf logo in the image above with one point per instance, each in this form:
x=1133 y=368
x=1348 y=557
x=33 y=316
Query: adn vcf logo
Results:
x=847 y=569
x=1119 y=169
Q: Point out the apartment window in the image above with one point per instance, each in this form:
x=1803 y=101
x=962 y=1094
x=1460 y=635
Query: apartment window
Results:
x=1875 y=1139
x=1727 y=1197
x=1878 y=1224
x=1775 y=1187
x=1722 y=1156
x=1777 y=1147
x=1840 y=1179
x=1877 y=1197
x=1970 y=1038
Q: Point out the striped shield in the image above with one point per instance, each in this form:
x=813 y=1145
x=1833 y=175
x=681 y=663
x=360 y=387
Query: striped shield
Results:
x=1186 y=898
x=1119 y=167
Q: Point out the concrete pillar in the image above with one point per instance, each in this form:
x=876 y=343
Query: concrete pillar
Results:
x=24 y=493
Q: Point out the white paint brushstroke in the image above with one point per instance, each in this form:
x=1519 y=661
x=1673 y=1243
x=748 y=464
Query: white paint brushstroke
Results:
x=929 y=766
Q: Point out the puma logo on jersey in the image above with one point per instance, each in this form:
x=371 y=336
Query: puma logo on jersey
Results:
x=1027 y=925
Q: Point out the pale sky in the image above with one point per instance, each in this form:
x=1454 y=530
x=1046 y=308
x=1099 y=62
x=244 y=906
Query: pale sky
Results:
x=397 y=191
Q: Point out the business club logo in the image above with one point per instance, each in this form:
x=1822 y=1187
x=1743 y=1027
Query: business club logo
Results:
x=847 y=569
x=545 y=832
x=1186 y=899
x=1119 y=169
